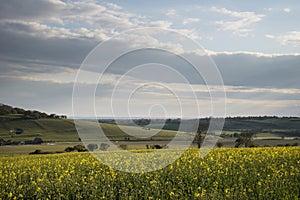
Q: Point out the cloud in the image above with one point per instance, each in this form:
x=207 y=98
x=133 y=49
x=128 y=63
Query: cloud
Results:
x=47 y=10
x=241 y=25
x=287 y=10
x=289 y=38
x=161 y=23
x=171 y=12
x=114 y=6
x=75 y=29
x=268 y=9
x=37 y=30
x=259 y=71
x=190 y=20
x=43 y=43
x=34 y=43
x=269 y=36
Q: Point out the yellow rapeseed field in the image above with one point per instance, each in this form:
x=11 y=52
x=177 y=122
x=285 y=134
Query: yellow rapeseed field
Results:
x=258 y=173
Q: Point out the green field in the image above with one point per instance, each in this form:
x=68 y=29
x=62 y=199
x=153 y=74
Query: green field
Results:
x=63 y=130
x=58 y=130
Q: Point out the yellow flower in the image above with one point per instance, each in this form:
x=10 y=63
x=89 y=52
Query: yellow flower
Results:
x=196 y=194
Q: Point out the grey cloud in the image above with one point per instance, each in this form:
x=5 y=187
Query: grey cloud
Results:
x=36 y=95
x=251 y=70
x=236 y=69
x=16 y=47
x=38 y=10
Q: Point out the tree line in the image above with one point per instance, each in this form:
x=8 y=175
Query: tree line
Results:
x=27 y=114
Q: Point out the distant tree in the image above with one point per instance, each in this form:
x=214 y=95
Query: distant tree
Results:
x=35 y=114
x=43 y=115
x=52 y=115
x=27 y=114
x=169 y=120
x=219 y=144
x=104 y=146
x=18 y=131
x=201 y=132
x=5 y=109
x=2 y=141
x=69 y=149
x=37 y=141
x=79 y=148
x=19 y=110
x=92 y=147
x=245 y=138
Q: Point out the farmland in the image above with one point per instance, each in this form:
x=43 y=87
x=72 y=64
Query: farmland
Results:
x=259 y=173
x=59 y=134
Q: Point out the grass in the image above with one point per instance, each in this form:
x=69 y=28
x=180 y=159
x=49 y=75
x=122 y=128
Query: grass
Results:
x=59 y=130
x=64 y=130
x=113 y=132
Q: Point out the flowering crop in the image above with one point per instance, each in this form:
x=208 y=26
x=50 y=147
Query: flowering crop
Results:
x=258 y=173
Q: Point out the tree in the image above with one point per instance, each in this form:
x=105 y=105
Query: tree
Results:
x=245 y=138
x=27 y=114
x=92 y=147
x=52 y=115
x=201 y=132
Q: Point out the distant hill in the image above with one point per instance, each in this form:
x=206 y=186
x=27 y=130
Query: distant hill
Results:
x=52 y=130
x=263 y=126
x=8 y=112
x=17 y=124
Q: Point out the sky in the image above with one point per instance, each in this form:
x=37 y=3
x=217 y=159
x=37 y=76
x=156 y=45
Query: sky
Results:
x=255 y=46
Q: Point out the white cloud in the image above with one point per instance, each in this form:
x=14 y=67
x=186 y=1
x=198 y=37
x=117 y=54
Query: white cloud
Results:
x=114 y=6
x=98 y=22
x=190 y=20
x=36 y=29
x=161 y=24
x=242 y=23
x=171 y=12
x=287 y=10
x=268 y=9
x=289 y=38
x=250 y=53
x=269 y=36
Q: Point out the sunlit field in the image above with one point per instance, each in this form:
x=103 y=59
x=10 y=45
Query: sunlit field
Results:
x=258 y=173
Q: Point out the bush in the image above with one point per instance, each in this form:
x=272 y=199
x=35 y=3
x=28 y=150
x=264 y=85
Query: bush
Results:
x=104 y=146
x=219 y=144
x=123 y=146
x=92 y=147
x=79 y=148
x=69 y=149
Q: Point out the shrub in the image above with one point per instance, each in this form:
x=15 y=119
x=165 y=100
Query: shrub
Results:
x=69 y=149
x=79 y=148
x=219 y=144
x=92 y=147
